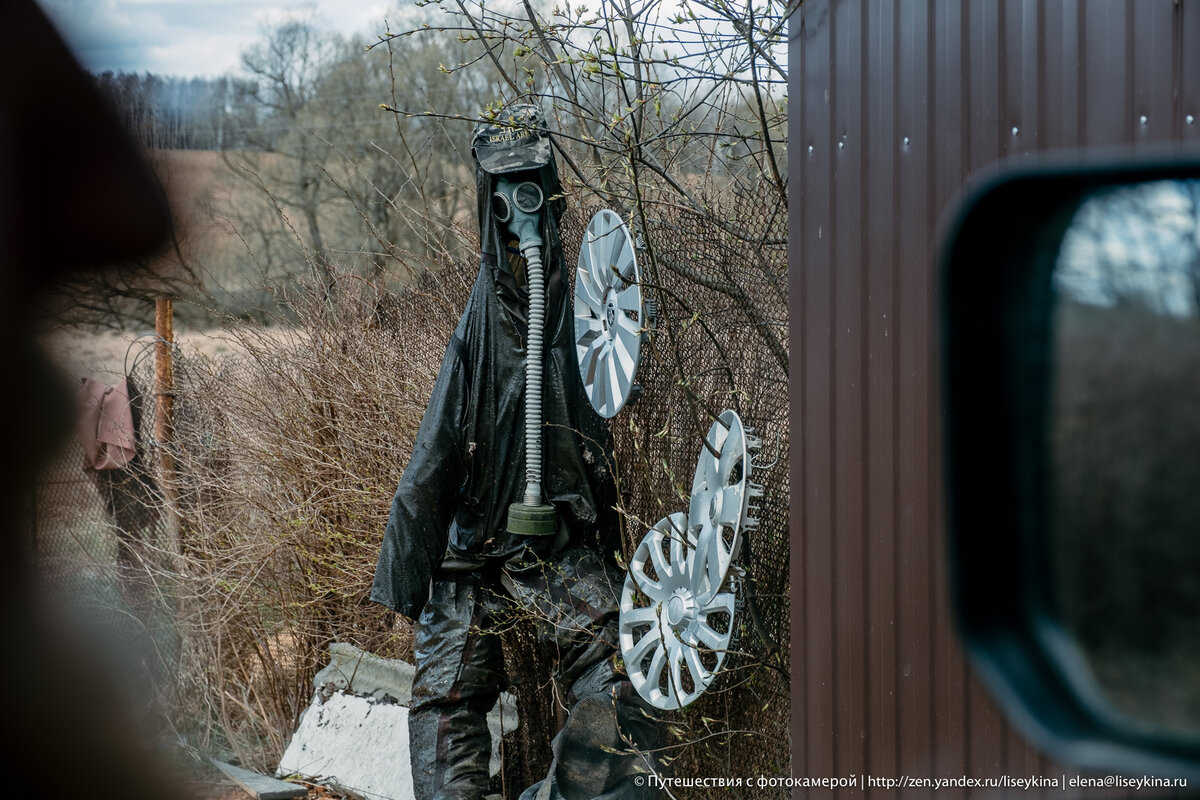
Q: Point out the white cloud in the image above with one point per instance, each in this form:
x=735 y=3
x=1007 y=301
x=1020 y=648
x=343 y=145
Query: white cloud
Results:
x=190 y=37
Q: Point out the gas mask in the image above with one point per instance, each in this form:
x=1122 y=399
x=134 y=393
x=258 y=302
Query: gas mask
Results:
x=518 y=205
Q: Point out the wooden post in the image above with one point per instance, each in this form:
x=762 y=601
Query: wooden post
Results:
x=164 y=418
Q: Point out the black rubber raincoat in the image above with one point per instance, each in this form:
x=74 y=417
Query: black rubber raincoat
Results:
x=468 y=464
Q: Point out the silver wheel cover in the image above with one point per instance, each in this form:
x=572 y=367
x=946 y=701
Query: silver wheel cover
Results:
x=610 y=317
x=673 y=643
x=721 y=507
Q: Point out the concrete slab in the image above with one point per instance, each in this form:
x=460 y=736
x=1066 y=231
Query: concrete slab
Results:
x=363 y=673
x=356 y=745
x=260 y=786
x=359 y=672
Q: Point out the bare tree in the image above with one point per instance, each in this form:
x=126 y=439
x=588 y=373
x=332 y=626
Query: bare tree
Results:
x=657 y=113
x=341 y=183
x=287 y=65
x=644 y=99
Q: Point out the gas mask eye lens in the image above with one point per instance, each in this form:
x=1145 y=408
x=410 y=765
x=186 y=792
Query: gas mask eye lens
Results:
x=501 y=208
x=528 y=197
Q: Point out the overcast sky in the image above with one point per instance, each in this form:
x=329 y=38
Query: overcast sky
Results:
x=190 y=37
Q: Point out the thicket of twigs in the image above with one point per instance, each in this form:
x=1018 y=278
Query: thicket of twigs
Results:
x=288 y=454
x=289 y=451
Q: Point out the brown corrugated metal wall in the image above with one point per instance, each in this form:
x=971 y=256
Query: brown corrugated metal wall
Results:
x=894 y=106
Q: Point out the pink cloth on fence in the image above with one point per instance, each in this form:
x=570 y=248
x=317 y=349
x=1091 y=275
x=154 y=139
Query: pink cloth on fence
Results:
x=105 y=425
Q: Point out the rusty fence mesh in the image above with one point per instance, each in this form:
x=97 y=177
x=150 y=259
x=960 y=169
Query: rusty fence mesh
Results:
x=289 y=447
x=721 y=343
x=96 y=537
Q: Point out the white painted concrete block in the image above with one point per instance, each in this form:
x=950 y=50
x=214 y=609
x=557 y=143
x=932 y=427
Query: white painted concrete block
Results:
x=365 y=673
x=357 y=671
x=354 y=744
x=359 y=744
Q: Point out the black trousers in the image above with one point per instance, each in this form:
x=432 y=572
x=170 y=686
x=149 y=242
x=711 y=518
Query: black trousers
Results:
x=603 y=750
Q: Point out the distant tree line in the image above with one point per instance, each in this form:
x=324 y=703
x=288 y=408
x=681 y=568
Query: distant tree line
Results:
x=170 y=113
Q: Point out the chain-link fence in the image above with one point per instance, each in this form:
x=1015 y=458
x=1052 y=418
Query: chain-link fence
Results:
x=721 y=343
x=97 y=538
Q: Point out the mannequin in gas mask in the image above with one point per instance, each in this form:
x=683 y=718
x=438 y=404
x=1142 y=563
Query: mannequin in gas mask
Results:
x=477 y=535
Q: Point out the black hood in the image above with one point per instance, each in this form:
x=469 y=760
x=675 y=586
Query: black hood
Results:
x=517 y=145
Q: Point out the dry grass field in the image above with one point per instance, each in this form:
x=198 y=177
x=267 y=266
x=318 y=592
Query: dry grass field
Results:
x=104 y=354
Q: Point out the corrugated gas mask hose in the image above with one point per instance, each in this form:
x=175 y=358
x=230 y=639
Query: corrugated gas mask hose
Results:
x=519 y=207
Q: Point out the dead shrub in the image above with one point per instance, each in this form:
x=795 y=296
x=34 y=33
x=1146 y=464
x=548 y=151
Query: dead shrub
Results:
x=288 y=453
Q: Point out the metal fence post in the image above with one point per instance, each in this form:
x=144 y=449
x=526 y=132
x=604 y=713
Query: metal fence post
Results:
x=164 y=427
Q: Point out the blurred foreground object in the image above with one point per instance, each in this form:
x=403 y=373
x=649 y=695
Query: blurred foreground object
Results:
x=1071 y=331
x=74 y=194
